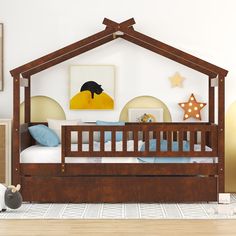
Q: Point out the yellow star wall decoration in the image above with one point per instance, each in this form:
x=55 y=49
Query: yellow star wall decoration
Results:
x=192 y=108
x=176 y=80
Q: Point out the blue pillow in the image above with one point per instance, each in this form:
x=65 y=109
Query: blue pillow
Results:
x=44 y=136
x=107 y=136
x=163 y=148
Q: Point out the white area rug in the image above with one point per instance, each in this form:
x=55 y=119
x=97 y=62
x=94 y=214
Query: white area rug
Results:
x=124 y=211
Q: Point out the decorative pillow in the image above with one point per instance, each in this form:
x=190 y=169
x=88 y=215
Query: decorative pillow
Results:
x=55 y=125
x=44 y=135
x=163 y=148
x=107 y=136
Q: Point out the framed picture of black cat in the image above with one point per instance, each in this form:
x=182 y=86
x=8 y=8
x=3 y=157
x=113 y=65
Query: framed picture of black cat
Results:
x=92 y=87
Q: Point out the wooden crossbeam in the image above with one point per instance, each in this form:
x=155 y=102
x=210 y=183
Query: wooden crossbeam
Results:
x=62 y=51
x=29 y=68
x=113 y=24
x=166 y=54
x=131 y=35
x=67 y=56
x=174 y=53
x=165 y=49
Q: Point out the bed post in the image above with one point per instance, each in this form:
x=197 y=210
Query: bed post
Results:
x=27 y=102
x=16 y=130
x=211 y=99
x=221 y=132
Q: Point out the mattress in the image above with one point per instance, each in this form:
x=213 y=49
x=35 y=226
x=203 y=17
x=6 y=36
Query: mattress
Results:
x=197 y=148
x=42 y=154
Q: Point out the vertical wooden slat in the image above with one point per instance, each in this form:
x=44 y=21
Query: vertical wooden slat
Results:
x=16 y=130
x=180 y=141
x=192 y=137
x=135 y=133
x=69 y=138
x=124 y=141
x=185 y=135
x=158 y=141
x=164 y=135
x=195 y=137
x=102 y=141
x=113 y=140
x=203 y=140
x=146 y=140
x=208 y=140
x=64 y=146
x=175 y=135
x=169 y=141
x=79 y=136
x=27 y=103
x=90 y=140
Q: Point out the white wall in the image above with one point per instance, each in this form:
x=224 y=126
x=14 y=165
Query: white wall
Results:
x=204 y=28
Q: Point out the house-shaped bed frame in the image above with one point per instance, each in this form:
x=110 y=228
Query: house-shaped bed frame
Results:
x=122 y=182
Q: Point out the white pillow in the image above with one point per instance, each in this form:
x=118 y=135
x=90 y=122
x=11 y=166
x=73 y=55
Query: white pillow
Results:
x=55 y=125
x=85 y=135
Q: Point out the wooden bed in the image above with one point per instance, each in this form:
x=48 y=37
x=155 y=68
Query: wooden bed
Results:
x=124 y=182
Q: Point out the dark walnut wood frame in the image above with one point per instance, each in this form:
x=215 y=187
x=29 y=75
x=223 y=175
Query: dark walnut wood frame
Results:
x=119 y=182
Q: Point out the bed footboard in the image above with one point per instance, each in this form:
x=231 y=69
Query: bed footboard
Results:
x=175 y=136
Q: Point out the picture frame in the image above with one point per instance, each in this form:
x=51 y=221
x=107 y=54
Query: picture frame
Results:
x=92 y=87
x=1 y=56
x=145 y=115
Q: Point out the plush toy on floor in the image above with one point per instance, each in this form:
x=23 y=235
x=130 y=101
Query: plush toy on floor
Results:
x=10 y=197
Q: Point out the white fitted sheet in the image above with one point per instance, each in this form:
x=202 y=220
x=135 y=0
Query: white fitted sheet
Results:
x=42 y=154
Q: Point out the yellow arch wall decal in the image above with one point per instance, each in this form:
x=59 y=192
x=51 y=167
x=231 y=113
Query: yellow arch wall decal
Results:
x=43 y=107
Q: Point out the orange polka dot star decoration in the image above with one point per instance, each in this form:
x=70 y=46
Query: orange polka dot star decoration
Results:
x=192 y=108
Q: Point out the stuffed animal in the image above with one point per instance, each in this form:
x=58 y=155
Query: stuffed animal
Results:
x=146 y=118
x=10 y=197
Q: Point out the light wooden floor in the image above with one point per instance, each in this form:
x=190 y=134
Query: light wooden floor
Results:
x=117 y=227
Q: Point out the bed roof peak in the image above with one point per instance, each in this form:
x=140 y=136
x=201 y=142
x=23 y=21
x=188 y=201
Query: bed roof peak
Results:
x=112 y=31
